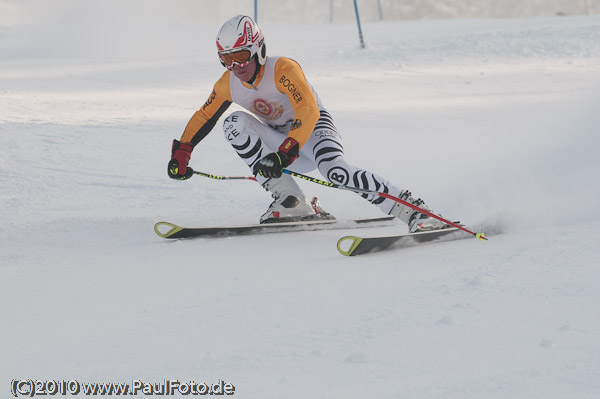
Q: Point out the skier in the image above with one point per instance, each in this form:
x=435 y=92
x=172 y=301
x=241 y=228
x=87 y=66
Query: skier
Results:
x=290 y=129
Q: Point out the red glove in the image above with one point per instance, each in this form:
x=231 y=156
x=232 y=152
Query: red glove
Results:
x=178 y=165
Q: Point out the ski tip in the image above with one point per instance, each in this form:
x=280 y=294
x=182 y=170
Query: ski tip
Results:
x=172 y=229
x=481 y=236
x=353 y=243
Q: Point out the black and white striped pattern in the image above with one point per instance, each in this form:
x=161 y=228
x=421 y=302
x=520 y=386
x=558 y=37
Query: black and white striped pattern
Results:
x=325 y=122
x=370 y=181
x=328 y=152
x=252 y=140
x=240 y=130
x=250 y=152
x=329 y=146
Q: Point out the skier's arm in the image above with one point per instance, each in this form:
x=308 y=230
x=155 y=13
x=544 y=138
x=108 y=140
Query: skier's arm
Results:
x=201 y=123
x=290 y=80
x=206 y=117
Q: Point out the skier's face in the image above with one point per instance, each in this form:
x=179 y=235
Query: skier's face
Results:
x=244 y=73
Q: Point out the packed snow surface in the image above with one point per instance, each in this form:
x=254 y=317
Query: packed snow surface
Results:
x=493 y=122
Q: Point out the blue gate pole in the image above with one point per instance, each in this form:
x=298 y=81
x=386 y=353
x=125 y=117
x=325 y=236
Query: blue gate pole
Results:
x=360 y=35
x=255 y=10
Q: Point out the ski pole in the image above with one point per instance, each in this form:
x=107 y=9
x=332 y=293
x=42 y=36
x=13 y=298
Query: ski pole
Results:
x=217 y=177
x=480 y=236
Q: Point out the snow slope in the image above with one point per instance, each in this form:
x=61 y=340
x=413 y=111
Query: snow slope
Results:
x=492 y=122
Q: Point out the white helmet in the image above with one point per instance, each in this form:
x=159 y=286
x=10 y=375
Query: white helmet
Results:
x=237 y=34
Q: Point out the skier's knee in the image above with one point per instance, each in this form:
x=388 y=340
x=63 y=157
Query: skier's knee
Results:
x=234 y=125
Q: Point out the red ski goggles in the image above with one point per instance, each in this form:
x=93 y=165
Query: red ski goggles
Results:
x=241 y=57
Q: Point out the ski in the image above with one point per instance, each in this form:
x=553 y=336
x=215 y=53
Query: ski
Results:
x=352 y=246
x=172 y=231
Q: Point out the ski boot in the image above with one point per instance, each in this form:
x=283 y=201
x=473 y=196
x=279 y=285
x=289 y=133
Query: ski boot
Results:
x=289 y=203
x=415 y=220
